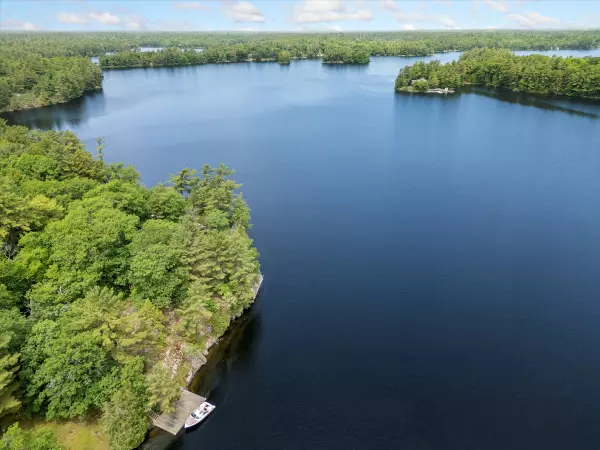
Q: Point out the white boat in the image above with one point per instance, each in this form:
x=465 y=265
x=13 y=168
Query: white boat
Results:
x=199 y=414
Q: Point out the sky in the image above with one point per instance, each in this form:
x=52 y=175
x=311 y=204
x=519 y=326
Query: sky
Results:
x=296 y=15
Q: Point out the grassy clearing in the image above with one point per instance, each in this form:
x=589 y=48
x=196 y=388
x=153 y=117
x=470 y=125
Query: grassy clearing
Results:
x=73 y=435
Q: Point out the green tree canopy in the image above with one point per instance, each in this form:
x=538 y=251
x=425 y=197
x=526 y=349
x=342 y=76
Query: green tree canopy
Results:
x=8 y=367
x=105 y=285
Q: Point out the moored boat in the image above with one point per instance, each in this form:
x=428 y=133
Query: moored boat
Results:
x=199 y=415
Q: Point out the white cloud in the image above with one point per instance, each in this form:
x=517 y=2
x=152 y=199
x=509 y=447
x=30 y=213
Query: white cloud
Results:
x=183 y=6
x=242 y=11
x=320 y=28
x=172 y=25
x=134 y=21
x=435 y=19
x=390 y=5
x=532 y=19
x=497 y=5
x=71 y=18
x=131 y=21
x=314 y=11
x=134 y=25
x=105 y=18
x=14 y=24
x=408 y=27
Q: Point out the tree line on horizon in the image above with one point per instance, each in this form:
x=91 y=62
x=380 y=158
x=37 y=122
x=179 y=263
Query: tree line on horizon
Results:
x=43 y=68
x=501 y=68
x=338 y=54
x=101 y=277
x=390 y=43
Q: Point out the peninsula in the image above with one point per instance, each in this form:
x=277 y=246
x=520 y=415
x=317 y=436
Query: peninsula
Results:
x=500 y=68
x=111 y=292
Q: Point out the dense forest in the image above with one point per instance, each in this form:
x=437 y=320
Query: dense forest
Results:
x=338 y=54
x=31 y=80
x=347 y=48
x=38 y=69
x=500 y=68
x=101 y=279
x=299 y=44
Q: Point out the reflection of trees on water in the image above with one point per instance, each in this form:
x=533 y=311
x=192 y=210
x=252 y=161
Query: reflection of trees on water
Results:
x=576 y=107
x=237 y=345
x=540 y=101
x=357 y=68
x=59 y=117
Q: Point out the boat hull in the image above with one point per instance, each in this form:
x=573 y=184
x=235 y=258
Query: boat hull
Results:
x=199 y=415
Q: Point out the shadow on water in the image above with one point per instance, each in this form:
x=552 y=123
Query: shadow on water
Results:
x=61 y=116
x=581 y=107
x=569 y=105
x=357 y=68
x=211 y=380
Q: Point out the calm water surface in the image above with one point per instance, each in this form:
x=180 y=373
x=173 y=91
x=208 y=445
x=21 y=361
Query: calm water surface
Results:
x=432 y=264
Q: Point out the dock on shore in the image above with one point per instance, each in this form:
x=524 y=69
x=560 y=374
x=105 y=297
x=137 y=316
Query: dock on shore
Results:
x=173 y=423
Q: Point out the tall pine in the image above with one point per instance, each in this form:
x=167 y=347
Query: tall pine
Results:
x=8 y=366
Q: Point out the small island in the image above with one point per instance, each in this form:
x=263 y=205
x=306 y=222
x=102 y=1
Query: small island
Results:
x=501 y=68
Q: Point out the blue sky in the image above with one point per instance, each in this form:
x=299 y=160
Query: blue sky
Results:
x=296 y=15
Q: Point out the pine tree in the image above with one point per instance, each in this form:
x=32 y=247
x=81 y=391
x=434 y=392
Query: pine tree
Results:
x=99 y=147
x=163 y=388
x=124 y=418
x=195 y=314
x=8 y=366
x=184 y=180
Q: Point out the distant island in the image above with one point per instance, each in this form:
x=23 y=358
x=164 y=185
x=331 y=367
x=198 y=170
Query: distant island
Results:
x=110 y=292
x=501 y=68
x=42 y=68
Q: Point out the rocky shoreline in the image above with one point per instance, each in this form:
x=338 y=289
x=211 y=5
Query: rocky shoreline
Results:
x=178 y=356
x=438 y=91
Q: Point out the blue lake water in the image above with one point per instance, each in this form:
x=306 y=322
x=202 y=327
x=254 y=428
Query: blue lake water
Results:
x=432 y=263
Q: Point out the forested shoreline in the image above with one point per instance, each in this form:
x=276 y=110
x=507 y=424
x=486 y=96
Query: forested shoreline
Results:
x=30 y=80
x=40 y=69
x=222 y=55
x=347 y=48
x=500 y=68
x=399 y=43
x=104 y=282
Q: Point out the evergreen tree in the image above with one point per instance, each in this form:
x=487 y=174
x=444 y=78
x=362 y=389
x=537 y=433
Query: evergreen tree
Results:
x=9 y=403
x=5 y=93
x=184 y=181
x=125 y=417
x=163 y=388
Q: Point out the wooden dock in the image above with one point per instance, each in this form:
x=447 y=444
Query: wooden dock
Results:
x=173 y=423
